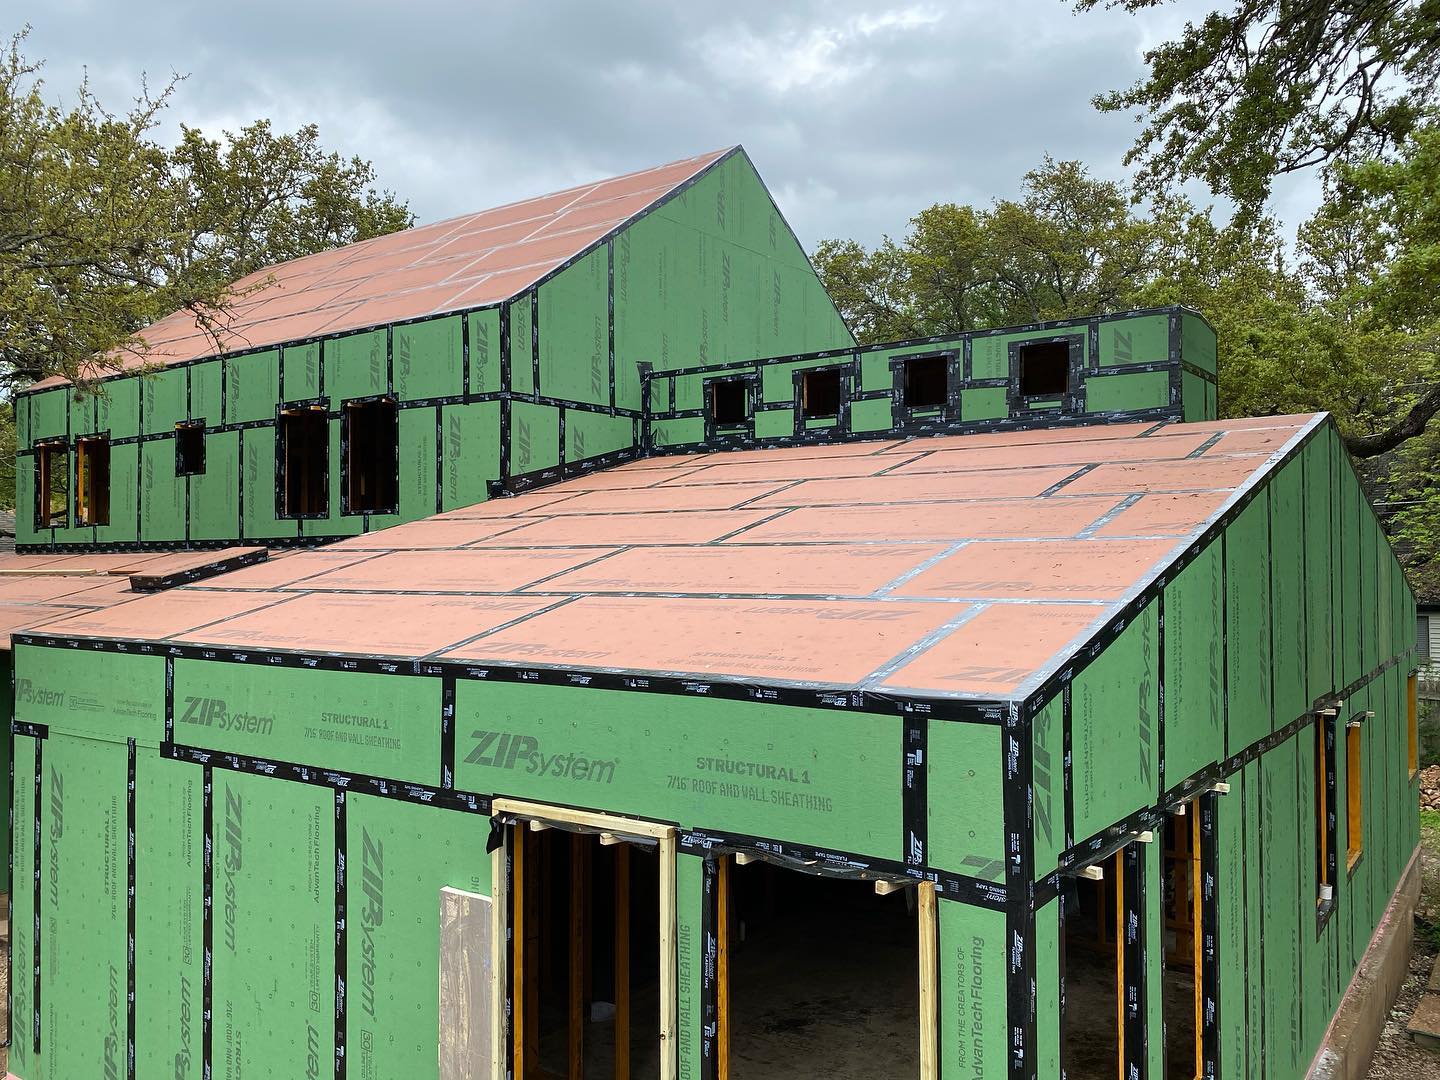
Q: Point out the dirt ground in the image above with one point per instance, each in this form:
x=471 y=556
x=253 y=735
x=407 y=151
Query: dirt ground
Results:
x=1397 y=1057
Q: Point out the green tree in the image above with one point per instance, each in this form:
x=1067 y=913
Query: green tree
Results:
x=1271 y=87
x=1069 y=246
x=104 y=230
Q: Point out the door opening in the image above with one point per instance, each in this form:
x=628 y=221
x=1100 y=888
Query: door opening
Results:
x=592 y=903
x=823 y=977
x=1092 y=973
x=1181 y=904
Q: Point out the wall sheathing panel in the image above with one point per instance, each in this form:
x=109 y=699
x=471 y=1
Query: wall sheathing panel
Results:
x=1114 y=726
x=749 y=768
x=1247 y=599
x=102 y=695
x=169 y=930
x=273 y=927
x=1194 y=662
x=25 y=843
x=966 y=826
x=973 y=1028
x=398 y=858
x=84 y=909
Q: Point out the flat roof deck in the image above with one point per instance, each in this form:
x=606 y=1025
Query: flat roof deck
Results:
x=948 y=566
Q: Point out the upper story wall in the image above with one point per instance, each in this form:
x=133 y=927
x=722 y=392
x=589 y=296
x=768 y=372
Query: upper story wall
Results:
x=713 y=273
x=514 y=394
x=1157 y=364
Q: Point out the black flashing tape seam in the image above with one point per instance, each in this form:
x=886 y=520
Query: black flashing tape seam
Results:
x=1019 y=918
x=35 y=955
x=844 y=865
x=465 y=357
x=341 y=952
x=1067 y=733
x=207 y=873
x=709 y=968
x=914 y=795
x=447 y=732
x=1209 y=941
x=330 y=778
x=610 y=317
x=968 y=710
x=10 y=861
x=1134 y=944
x=439 y=458
x=1160 y=688
x=535 y=342
x=130 y=908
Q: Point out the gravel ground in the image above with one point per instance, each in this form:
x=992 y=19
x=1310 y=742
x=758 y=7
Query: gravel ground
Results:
x=1398 y=1057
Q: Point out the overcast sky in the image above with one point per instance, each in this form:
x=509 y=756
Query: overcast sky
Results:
x=856 y=115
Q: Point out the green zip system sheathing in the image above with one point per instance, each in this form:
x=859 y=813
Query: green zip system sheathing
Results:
x=292 y=817
x=510 y=395
x=1157 y=364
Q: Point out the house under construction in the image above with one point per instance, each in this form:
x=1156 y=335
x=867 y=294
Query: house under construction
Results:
x=546 y=644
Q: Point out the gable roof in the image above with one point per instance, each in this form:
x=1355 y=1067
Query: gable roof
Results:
x=462 y=263
x=938 y=567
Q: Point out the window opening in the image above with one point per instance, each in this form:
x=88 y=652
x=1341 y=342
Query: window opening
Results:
x=1093 y=976
x=926 y=382
x=1044 y=368
x=729 y=401
x=189 y=449
x=52 y=486
x=1354 y=807
x=92 y=481
x=372 y=439
x=304 y=462
x=820 y=394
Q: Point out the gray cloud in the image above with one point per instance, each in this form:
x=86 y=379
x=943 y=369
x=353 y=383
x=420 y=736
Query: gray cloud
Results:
x=856 y=115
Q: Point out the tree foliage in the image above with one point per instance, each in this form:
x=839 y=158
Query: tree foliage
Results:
x=104 y=230
x=1270 y=87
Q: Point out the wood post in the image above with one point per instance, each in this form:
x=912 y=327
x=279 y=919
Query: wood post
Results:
x=622 y=962
x=579 y=930
x=929 y=979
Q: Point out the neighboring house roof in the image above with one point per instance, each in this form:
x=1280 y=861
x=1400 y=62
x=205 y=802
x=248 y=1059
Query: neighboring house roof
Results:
x=946 y=566
x=454 y=265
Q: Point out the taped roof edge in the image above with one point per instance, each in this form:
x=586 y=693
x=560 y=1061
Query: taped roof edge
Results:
x=1037 y=689
x=141 y=367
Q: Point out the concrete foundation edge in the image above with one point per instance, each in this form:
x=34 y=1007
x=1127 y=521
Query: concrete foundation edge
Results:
x=1355 y=1030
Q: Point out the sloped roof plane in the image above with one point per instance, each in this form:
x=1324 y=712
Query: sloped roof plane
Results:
x=454 y=265
x=962 y=568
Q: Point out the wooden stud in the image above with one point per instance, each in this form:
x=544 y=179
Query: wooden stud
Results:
x=745 y=858
x=1146 y=837
x=579 y=930
x=929 y=983
x=1119 y=961
x=669 y=1069
x=1093 y=873
x=498 y=1056
x=518 y=856
x=1221 y=788
x=722 y=967
x=884 y=887
x=608 y=839
x=622 y=961
x=538 y=826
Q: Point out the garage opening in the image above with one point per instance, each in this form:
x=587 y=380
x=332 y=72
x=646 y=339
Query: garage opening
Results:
x=729 y=402
x=92 y=481
x=304 y=462
x=1044 y=368
x=820 y=394
x=592 y=964
x=820 y=977
x=1181 y=904
x=1092 y=975
x=52 y=485
x=926 y=382
x=372 y=462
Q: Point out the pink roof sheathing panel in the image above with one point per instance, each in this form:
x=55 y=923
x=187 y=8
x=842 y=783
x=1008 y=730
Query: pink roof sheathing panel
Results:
x=834 y=642
x=470 y=261
x=966 y=581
